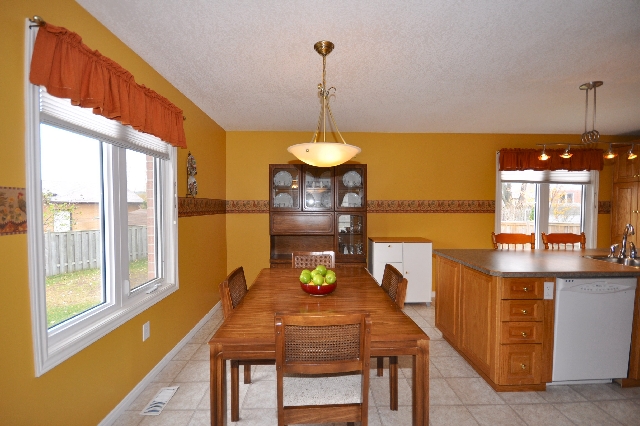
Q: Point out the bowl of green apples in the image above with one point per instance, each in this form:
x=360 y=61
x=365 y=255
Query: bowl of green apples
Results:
x=319 y=282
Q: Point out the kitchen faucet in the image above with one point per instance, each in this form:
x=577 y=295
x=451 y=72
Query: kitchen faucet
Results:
x=628 y=230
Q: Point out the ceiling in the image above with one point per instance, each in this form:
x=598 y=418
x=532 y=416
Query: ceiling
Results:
x=424 y=66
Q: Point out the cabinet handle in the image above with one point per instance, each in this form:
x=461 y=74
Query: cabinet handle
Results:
x=525 y=289
x=523 y=366
x=524 y=334
x=389 y=245
x=524 y=311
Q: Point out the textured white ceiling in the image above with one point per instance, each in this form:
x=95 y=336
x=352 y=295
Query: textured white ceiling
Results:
x=474 y=66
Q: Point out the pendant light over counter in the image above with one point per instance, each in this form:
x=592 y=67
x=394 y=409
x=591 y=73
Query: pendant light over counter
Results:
x=323 y=153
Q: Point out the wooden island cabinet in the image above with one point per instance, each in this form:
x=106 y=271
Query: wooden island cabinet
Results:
x=491 y=307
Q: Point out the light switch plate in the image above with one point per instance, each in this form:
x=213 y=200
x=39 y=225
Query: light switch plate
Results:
x=548 y=290
x=146 y=331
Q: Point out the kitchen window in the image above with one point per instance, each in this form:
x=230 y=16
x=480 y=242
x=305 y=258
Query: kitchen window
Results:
x=547 y=201
x=102 y=224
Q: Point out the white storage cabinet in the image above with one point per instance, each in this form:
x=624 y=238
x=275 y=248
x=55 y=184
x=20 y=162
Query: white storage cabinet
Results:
x=411 y=256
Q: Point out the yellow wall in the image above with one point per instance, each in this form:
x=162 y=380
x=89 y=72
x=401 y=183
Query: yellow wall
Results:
x=399 y=167
x=86 y=387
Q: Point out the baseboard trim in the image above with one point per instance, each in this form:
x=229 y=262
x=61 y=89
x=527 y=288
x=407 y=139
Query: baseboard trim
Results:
x=136 y=391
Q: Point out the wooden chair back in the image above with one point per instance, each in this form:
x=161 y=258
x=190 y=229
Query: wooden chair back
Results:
x=394 y=284
x=232 y=290
x=311 y=259
x=556 y=239
x=505 y=240
x=313 y=344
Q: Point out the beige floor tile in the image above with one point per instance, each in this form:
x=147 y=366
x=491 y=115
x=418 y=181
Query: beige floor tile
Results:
x=260 y=395
x=260 y=372
x=256 y=417
x=395 y=418
x=453 y=415
x=586 y=413
x=521 y=398
x=474 y=391
x=495 y=415
x=432 y=332
x=168 y=418
x=170 y=371
x=630 y=393
x=560 y=394
x=597 y=392
x=188 y=396
x=541 y=415
x=147 y=395
x=202 y=353
x=129 y=418
x=194 y=371
x=380 y=390
x=440 y=393
x=186 y=352
x=625 y=411
x=206 y=332
x=441 y=348
x=201 y=418
x=450 y=366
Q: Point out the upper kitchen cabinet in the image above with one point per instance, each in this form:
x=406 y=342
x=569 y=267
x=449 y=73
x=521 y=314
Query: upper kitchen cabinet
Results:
x=351 y=187
x=284 y=182
x=624 y=196
x=626 y=170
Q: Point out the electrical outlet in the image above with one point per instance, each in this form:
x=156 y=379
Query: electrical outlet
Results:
x=146 y=331
x=548 y=290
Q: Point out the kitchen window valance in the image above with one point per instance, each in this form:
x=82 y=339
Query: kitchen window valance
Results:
x=514 y=159
x=67 y=68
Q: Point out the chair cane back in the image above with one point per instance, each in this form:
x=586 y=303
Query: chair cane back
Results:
x=232 y=291
x=504 y=241
x=556 y=239
x=318 y=352
x=311 y=259
x=395 y=285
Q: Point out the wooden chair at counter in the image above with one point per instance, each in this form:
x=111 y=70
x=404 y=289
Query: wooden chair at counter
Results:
x=232 y=291
x=556 y=239
x=312 y=350
x=395 y=285
x=504 y=240
x=311 y=259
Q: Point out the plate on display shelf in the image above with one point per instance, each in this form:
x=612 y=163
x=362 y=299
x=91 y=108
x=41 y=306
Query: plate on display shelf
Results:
x=351 y=200
x=326 y=201
x=325 y=179
x=283 y=200
x=351 y=179
x=282 y=178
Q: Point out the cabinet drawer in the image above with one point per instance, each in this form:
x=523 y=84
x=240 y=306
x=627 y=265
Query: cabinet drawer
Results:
x=521 y=332
x=387 y=252
x=522 y=288
x=522 y=310
x=301 y=223
x=520 y=364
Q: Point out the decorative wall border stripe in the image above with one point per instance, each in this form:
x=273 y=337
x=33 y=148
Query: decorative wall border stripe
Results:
x=431 y=206
x=604 y=207
x=204 y=206
x=13 y=210
x=188 y=206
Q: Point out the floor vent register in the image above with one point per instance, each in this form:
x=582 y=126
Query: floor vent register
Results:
x=157 y=404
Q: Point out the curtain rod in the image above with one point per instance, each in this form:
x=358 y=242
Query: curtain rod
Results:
x=39 y=22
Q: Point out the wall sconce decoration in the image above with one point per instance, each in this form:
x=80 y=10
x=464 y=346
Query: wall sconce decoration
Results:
x=192 y=185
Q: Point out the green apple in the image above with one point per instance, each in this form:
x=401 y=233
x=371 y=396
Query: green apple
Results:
x=315 y=272
x=322 y=269
x=330 y=272
x=305 y=271
x=330 y=278
x=305 y=278
x=318 y=279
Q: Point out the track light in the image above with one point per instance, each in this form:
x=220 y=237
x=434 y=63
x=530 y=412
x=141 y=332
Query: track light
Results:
x=609 y=154
x=567 y=153
x=631 y=154
x=543 y=156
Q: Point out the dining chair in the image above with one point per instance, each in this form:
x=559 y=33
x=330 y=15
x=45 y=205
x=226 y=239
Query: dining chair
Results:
x=505 y=240
x=556 y=239
x=317 y=358
x=232 y=291
x=395 y=285
x=311 y=259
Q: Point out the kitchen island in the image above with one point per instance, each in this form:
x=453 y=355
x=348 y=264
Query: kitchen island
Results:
x=496 y=308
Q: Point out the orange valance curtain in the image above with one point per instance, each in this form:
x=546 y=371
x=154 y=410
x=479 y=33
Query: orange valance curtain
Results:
x=70 y=69
x=512 y=159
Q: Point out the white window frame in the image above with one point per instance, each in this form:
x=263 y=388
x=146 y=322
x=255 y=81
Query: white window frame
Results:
x=590 y=203
x=55 y=345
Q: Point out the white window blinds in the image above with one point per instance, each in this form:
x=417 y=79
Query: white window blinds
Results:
x=60 y=113
x=546 y=176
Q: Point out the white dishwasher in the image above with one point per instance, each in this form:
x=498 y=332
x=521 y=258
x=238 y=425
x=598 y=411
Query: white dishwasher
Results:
x=593 y=323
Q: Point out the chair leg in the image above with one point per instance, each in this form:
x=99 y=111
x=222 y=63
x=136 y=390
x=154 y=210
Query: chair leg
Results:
x=235 y=391
x=247 y=374
x=393 y=382
x=380 y=366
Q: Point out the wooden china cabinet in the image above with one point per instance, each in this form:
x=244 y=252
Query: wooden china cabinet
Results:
x=318 y=209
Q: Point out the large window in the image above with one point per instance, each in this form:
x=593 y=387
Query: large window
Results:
x=547 y=201
x=102 y=224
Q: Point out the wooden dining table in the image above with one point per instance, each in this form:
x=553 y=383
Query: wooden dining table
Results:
x=249 y=333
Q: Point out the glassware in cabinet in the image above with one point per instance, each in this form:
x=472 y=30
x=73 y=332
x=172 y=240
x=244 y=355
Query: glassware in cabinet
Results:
x=285 y=187
x=318 y=188
x=351 y=232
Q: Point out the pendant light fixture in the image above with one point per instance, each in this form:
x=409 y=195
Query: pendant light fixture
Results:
x=610 y=153
x=323 y=153
x=567 y=153
x=543 y=156
x=631 y=155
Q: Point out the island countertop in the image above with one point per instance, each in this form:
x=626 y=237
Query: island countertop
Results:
x=538 y=263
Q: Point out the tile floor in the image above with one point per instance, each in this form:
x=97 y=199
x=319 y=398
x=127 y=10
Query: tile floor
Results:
x=458 y=396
